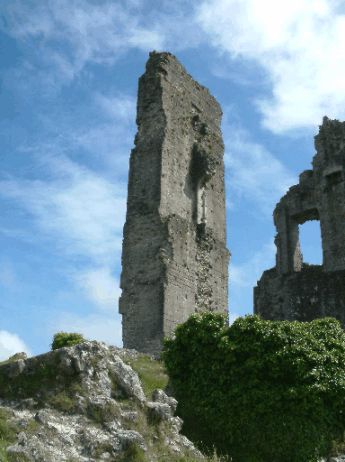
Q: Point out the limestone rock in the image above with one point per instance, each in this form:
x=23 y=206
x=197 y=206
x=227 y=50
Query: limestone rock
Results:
x=84 y=403
x=162 y=406
x=160 y=411
x=17 y=356
x=161 y=397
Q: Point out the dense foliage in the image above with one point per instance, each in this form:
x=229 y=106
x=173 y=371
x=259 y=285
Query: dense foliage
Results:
x=65 y=339
x=260 y=390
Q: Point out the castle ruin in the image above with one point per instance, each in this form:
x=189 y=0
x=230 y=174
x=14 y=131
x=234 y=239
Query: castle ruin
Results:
x=174 y=258
x=294 y=290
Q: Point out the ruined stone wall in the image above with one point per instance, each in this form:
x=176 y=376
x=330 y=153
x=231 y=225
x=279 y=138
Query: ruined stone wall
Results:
x=311 y=293
x=293 y=290
x=174 y=260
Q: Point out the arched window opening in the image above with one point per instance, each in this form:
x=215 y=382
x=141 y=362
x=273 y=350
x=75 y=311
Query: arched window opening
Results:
x=310 y=241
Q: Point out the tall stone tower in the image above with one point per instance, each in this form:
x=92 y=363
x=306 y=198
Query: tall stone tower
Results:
x=174 y=258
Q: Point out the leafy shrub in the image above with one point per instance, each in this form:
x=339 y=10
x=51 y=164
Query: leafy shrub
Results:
x=260 y=390
x=65 y=339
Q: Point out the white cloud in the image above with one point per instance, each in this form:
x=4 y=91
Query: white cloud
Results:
x=10 y=344
x=253 y=172
x=100 y=286
x=299 y=43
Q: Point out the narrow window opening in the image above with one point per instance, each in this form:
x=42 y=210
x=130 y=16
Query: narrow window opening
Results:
x=201 y=204
x=310 y=241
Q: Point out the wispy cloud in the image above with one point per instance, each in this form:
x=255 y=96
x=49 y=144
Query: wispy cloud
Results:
x=78 y=213
x=80 y=209
x=301 y=46
x=244 y=276
x=118 y=107
x=8 y=277
x=10 y=344
x=74 y=206
x=111 y=139
x=100 y=287
x=83 y=212
x=247 y=273
x=254 y=173
x=73 y=33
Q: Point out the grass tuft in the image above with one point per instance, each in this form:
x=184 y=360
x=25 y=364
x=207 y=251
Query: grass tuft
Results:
x=133 y=453
x=8 y=433
x=151 y=373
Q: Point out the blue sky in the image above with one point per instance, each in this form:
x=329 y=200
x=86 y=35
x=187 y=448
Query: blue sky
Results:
x=68 y=84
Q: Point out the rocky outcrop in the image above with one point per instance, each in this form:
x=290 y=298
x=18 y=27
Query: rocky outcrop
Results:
x=86 y=403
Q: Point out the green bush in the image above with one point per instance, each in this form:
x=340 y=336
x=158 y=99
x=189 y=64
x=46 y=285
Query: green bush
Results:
x=260 y=390
x=65 y=339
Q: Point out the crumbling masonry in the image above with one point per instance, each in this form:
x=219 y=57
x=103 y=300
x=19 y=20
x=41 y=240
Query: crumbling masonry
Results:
x=174 y=258
x=294 y=290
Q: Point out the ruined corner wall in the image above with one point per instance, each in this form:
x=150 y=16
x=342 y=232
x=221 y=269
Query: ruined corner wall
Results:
x=174 y=258
x=309 y=294
x=294 y=290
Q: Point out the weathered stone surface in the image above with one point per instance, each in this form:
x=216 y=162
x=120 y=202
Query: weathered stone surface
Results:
x=160 y=397
x=163 y=407
x=17 y=356
x=174 y=259
x=90 y=407
x=293 y=290
x=95 y=367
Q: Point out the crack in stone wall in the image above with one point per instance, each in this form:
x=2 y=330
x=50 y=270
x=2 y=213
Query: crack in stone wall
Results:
x=174 y=259
x=293 y=289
